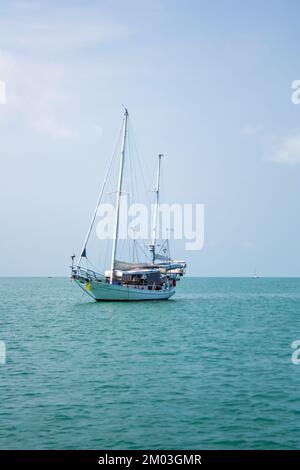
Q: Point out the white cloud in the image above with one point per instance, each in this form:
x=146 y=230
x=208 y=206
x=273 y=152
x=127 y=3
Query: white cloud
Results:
x=39 y=60
x=87 y=26
x=59 y=37
x=39 y=98
x=48 y=127
x=2 y=92
x=288 y=151
x=35 y=95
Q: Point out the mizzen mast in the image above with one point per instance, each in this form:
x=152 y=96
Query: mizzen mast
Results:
x=155 y=218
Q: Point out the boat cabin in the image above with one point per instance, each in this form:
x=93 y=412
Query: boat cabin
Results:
x=150 y=278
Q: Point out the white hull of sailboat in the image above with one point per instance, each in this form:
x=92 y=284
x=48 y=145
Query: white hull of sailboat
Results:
x=104 y=291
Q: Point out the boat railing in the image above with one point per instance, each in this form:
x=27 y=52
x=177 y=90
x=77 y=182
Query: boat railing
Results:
x=87 y=274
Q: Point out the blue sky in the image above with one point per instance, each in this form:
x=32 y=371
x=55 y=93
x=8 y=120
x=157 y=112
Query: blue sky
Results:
x=207 y=83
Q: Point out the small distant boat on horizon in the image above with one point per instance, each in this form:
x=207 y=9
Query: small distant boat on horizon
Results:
x=255 y=275
x=153 y=279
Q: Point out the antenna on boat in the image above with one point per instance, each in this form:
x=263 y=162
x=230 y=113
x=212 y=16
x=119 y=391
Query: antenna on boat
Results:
x=154 y=231
x=116 y=229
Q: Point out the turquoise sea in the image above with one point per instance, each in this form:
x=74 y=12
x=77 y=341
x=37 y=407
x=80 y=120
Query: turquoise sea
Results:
x=209 y=369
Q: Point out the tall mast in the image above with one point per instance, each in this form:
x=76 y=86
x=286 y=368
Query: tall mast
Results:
x=154 y=231
x=116 y=229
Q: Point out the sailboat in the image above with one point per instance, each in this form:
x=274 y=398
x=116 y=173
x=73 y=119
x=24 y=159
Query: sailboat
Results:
x=255 y=275
x=153 y=279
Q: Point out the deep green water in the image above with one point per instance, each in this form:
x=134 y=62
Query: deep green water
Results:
x=209 y=369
